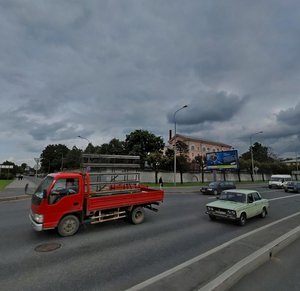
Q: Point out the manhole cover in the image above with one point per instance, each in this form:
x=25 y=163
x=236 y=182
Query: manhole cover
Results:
x=49 y=247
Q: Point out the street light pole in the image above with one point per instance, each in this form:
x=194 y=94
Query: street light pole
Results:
x=175 y=142
x=84 y=138
x=89 y=142
x=251 y=151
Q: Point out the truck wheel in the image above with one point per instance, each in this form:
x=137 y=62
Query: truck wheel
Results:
x=137 y=215
x=215 y=192
x=242 y=219
x=68 y=226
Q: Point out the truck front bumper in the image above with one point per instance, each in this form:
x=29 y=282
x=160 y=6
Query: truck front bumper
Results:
x=35 y=226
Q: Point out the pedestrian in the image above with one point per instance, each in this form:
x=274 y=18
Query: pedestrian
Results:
x=161 y=183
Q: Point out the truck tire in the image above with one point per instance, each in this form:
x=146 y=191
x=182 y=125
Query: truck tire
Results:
x=68 y=226
x=137 y=215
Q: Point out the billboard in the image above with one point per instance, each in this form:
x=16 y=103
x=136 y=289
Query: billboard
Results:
x=222 y=160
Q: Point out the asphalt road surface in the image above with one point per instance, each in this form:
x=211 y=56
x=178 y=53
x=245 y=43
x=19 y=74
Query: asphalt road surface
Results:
x=117 y=255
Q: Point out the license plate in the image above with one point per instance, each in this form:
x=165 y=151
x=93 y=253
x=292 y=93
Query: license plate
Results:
x=219 y=212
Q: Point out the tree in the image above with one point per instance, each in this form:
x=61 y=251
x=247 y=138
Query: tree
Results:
x=200 y=162
x=141 y=142
x=8 y=173
x=182 y=147
x=73 y=158
x=182 y=165
x=156 y=161
x=53 y=158
x=169 y=160
x=114 y=147
x=260 y=153
x=90 y=149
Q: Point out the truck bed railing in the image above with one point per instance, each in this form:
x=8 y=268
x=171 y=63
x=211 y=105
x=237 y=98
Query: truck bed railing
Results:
x=112 y=174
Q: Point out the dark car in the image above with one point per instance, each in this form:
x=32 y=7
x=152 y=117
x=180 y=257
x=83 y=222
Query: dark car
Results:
x=292 y=186
x=216 y=188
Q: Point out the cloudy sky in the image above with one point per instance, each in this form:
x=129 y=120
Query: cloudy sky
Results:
x=102 y=69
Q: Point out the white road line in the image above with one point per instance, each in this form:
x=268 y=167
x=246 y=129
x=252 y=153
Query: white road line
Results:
x=204 y=255
x=249 y=263
x=284 y=197
x=271 y=199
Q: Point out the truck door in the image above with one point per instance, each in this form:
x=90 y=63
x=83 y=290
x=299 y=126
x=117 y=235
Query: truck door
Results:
x=64 y=197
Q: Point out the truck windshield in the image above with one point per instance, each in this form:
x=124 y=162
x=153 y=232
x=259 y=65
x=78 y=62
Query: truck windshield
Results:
x=38 y=194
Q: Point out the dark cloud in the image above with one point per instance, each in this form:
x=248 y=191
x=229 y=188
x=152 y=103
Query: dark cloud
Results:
x=210 y=107
x=101 y=69
x=290 y=117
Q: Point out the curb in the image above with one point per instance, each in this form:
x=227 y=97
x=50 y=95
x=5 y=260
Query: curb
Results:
x=230 y=277
x=13 y=198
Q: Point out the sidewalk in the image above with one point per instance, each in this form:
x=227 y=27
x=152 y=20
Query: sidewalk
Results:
x=220 y=268
x=16 y=189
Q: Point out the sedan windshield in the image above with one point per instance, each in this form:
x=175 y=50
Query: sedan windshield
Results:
x=235 y=197
x=213 y=184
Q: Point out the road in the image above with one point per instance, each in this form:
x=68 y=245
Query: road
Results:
x=118 y=255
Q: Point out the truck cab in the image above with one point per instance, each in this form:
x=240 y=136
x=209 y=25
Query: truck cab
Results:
x=57 y=195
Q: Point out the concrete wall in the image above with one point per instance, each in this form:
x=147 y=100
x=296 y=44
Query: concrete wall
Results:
x=168 y=177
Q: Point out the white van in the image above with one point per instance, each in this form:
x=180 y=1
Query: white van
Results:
x=279 y=181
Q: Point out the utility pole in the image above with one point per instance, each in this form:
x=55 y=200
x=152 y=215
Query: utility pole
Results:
x=175 y=142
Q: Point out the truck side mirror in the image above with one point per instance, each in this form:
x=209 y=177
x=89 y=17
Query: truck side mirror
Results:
x=44 y=193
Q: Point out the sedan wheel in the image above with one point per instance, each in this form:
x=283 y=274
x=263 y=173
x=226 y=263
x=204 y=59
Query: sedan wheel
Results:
x=212 y=217
x=242 y=220
x=263 y=213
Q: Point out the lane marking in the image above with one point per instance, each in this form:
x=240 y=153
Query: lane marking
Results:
x=271 y=199
x=204 y=255
x=248 y=264
x=284 y=197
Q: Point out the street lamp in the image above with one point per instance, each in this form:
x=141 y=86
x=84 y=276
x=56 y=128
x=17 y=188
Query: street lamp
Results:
x=185 y=106
x=89 y=142
x=251 y=151
x=84 y=138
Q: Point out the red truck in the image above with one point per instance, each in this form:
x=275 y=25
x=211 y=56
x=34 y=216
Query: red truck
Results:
x=66 y=200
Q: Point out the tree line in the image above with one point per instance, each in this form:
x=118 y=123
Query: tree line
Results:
x=150 y=148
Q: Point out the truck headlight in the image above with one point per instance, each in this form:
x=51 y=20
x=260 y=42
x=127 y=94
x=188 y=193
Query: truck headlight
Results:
x=39 y=218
